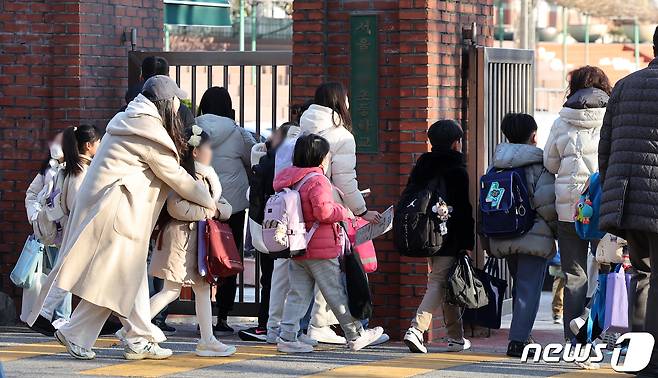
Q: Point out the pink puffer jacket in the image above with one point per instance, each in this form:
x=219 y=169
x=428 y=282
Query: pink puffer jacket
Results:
x=317 y=205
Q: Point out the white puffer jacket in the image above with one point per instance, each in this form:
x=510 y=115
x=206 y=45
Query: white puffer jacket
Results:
x=342 y=170
x=571 y=150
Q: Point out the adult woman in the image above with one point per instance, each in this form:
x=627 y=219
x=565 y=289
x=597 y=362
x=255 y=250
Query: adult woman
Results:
x=572 y=153
x=106 y=243
x=329 y=117
x=231 y=149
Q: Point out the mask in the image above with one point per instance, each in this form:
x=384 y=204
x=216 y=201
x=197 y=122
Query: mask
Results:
x=56 y=151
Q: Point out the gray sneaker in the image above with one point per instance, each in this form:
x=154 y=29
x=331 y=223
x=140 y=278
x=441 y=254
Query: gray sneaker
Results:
x=74 y=350
x=151 y=351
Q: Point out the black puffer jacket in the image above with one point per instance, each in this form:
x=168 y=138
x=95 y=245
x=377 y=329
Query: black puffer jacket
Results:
x=450 y=165
x=628 y=154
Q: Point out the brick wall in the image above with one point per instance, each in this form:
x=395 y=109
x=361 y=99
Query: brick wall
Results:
x=61 y=63
x=419 y=82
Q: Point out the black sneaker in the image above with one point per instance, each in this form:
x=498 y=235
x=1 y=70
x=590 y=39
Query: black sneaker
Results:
x=166 y=329
x=222 y=328
x=43 y=326
x=515 y=349
x=253 y=334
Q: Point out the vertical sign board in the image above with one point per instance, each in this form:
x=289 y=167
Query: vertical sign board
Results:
x=364 y=60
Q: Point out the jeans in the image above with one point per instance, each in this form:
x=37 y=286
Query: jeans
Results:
x=57 y=304
x=573 y=255
x=304 y=275
x=528 y=273
x=228 y=286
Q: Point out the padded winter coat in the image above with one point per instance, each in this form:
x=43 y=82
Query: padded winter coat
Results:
x=571 y=150
x=342 y=170
x=628 y=155
x=231 y=156
x=540 y=240
x=318 y=205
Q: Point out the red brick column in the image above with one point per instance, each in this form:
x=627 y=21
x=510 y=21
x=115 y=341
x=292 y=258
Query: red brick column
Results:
x=420 y=48
x=62 y=63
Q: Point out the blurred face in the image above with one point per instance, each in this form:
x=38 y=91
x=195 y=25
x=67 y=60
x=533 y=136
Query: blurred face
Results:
x=55 y=147
x=176 y=103
x=91 y=147
x=57 y=139
x=276 y=138
x=203 y=154
x=457 y=145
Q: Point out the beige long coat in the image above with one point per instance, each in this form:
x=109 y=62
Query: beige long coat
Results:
x=127 y=183
x=175 y=257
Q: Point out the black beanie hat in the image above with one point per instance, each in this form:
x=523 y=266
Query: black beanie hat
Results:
x=444 y=133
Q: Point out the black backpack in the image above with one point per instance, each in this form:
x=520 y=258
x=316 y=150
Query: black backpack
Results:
x=417 y=230
x=464 y=289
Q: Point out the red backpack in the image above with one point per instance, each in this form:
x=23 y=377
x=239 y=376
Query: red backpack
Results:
x=223 y=257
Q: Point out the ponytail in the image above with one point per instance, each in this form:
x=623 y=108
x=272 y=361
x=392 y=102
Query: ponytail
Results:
x=74 y=139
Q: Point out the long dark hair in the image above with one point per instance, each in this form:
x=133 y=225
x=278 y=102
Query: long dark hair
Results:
x=588 y=77
x=74 y=139
x=172 y=123
x=187 y=159
x=333 y=96
x=217 y=101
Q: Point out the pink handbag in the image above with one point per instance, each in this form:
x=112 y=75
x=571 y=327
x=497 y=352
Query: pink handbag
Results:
x=366 y=251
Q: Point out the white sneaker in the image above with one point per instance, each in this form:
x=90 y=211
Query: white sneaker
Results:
x=325 y=335
x=272 y=336
x=151 y=351
x=588 y=365
x=381 y=340
x=121 y=335
x=307 y=340
x=292 y=346
x=368 y=336
x=576 y=324
x=414 y=340
x=215 y=348
x=59 y=323
x=458 y=345
x=75 y=350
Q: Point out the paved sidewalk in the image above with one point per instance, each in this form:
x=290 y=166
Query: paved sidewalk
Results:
x=25 y=354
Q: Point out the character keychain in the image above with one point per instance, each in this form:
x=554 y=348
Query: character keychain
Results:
x=442 y=210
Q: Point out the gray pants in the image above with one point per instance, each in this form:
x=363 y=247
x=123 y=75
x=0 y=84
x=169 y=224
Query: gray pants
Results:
x=643 y=306
x=303 y=276
x=573 y=255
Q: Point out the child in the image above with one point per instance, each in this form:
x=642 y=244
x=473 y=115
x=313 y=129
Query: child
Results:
x=260 y=188
x=555 y=271
x=527 y=256
x=319 y=265
x=446 y=161
x=175 y=257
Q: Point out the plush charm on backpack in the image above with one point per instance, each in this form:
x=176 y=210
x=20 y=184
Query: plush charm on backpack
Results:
x=586 y=214
x=505 y=204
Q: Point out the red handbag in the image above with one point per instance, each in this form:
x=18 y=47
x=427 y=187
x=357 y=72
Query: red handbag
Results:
x=365 y=251
x=223 y=259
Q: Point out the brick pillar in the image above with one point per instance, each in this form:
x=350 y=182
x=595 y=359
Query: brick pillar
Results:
x=62 y=63
x=419 y=82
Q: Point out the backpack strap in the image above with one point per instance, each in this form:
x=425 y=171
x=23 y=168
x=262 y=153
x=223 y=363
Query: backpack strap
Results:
x=303 y=181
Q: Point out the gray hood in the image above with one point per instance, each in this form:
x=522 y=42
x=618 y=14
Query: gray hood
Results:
x=218 y=128
x=511 y=155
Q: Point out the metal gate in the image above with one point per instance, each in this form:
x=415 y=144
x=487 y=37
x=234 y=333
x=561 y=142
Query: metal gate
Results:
x=261 y=83
x=499 y=81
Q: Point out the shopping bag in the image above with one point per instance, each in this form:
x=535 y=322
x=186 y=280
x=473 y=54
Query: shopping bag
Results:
x=224 y=259
x=359 y=298
x=23 y=273
x=365 y=251
x=616 y=302
x=31 y=293
x=489 y=316
x=202 y=249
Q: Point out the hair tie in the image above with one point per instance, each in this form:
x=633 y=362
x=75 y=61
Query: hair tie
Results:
x=195 y=139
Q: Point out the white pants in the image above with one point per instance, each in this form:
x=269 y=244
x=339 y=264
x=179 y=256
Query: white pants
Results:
x=54 y=300
x=87 y=321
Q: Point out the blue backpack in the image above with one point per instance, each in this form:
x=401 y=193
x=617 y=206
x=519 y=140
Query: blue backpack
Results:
x=505 y=204
x=587 y=210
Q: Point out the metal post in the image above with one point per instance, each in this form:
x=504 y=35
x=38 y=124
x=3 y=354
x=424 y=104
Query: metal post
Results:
x=166 y=30
x=501 y=19
x=636 y=35
x=525 y=27
x=586 y=38
x=241 y=25
x=565 y=34
x=254 y=28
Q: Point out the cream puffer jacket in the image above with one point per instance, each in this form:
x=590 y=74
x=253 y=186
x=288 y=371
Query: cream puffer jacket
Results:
x=342 y=170
x=571 y=150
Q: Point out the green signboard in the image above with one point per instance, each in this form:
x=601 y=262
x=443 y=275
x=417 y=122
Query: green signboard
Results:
x=364 y=60
x=197 y=12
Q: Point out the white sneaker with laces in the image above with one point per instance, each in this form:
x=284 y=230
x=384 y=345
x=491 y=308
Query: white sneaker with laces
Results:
x=214 y=348
x=121 y=335
x=367 y=337
x=292 y=346
x=151 y=351
x=381 y=340
x=325 y=335
x=272 y=336
x=414 y=340
x=458 y=345
x=74 y=350
x=307 y=340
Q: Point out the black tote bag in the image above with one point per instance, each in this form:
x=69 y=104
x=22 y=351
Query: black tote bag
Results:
x=490 y=315
x=359 y=297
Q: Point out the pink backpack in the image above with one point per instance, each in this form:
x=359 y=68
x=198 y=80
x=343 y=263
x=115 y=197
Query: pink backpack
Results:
x=284 y=231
